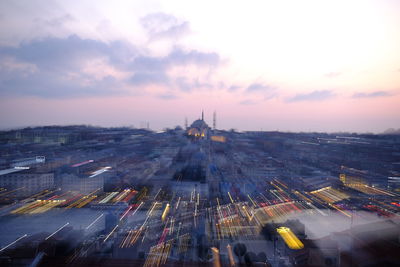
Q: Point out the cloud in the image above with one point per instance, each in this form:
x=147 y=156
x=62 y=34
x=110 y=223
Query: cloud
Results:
x=146 y=78
x=55 y=22
x=333 y=74
x=57 y=67
x=154 y=70
x=161 y=25
x=69 y=53
x=234 y=88
x=187 y=85
x=312 y=96
x=54 y=85
x=247 y=102
x=167 y=96
x=371 y=95
x=259 y=87
x=180 y=57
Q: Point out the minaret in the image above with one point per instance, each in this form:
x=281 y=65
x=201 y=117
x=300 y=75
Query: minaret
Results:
x=215 y=120
x=202 y=115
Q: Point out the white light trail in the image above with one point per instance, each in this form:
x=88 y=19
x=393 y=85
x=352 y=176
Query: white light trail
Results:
x=126 y=212
x=112 y=231
x=177 y=204
x=59 y=229
x=157 y=194
x=12 y=243
x=95 y=173
x=137 y=209
x=151 y=210
x=94 y=221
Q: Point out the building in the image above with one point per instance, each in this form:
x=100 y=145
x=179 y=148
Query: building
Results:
x=26 y=182
x=394 y=183
x=84 y=177
x=351 y=181
x=84 y=185
x=199 y=128
x=28 y=161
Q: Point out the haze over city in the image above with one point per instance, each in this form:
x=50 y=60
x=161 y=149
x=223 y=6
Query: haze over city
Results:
x=271 y=65
x=200 y=133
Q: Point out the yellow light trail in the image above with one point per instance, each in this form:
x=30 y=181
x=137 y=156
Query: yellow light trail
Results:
x=49 y=205
x=230 y=256
x=290 y=238
x=282 y=184
x=216 y=259
x=231 y=197
x=165 y=213
x=340 y=210
x=40 y=194
x=12 y=191
x=86 y=201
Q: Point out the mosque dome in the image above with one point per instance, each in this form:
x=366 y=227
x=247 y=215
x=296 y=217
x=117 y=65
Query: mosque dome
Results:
x=199 y=128
x=199 y=124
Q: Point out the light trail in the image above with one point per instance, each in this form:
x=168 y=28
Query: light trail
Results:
x=98 y=218
x=317 y=209
x=58 y=230
x=144 y=234
x=121 y=196
x=112 y=231
x=340 y=210
x=290 y=238
x=8 y=192
x=165 y=213
x=12 y=243
x=157 y=194
x=125 y=241
x=151 y=210
x=108 y=197
x=230 y=256
x=216 y=259
x=137 y=208
x=126 y=212
x=231 y=197
x=254 y=204
x=100 y=171
x=85 y=202
x=130 y=196
x=177 y=204
x=171 y=227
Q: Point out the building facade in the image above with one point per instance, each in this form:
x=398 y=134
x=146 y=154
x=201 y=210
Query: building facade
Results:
x=26 y=184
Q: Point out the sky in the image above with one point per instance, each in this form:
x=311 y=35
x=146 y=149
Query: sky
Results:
x=300 y=65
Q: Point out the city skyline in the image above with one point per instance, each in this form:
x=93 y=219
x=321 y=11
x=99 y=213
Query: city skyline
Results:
x=324 y=66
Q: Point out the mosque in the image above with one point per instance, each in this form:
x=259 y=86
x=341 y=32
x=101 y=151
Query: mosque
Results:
x=199 y=128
